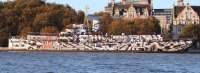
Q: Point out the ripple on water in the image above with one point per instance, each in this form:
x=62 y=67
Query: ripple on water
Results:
x=39 y=62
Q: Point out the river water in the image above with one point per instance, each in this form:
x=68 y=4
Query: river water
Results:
x=80 y=62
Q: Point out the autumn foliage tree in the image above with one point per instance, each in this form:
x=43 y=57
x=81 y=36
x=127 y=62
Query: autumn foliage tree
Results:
x=105 y=21
x=191 y=31
x=149 y=25
x=19 y=17
x=137 y=26
x=117 y=26
x=49 y=29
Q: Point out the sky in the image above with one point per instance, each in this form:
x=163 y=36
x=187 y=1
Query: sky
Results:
x=98 y=5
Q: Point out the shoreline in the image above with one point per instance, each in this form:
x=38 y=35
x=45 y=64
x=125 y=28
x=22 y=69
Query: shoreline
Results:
x=94 y=51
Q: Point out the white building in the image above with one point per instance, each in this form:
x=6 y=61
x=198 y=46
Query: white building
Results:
x=17 y=43
x=48 y=40
x=95 y=22
x=79 y=29
x=95 y=25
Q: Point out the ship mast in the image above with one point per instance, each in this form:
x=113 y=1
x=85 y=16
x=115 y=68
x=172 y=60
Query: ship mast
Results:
x=86 y=22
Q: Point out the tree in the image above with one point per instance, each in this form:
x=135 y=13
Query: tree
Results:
x=4 y=39
x=169 y=33
x=191 y=31
x=34 y=3
x=80 y=17
x=186 y=32
x=137 y=26
x=105 y=21
x=149 y=25
x=24 y=32
x=115 y=28
x=11 y=20
x=22 y=16
x=20 y=3
x=49 y=29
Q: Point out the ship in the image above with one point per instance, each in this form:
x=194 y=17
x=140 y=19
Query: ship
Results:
x=68 y=41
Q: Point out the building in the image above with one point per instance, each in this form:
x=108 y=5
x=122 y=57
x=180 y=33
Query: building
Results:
x=180 y=2
x=95 y=25
x=129 y=9
x=79 y=29
x=95 y=21
x=164 y=16
x=17 y=43
x=184 y=15
x=48 y=40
